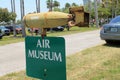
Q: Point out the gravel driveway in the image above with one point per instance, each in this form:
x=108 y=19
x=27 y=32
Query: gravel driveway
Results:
x=12 y=56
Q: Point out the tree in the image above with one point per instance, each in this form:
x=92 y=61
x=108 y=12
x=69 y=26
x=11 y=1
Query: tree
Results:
x=22 y=14
x=57 y=9
x=56 y=4
x=51 y=5
x=113 y=6
x=6 y=16
x=66 y=8
x=96 y=13
x=18 y=22
x=13 y=16
x=74 y=4
x=67 y=5
x=38 y=5
x=0 y=14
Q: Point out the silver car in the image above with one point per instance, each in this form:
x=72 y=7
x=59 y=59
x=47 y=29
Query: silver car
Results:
x=4 y=30
x=111 y=32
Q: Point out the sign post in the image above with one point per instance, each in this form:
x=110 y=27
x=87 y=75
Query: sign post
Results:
x=45 y=58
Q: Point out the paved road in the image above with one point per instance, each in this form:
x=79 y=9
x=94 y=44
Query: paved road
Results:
x=12 y=56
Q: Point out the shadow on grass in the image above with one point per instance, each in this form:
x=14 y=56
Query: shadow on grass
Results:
x=113 y=44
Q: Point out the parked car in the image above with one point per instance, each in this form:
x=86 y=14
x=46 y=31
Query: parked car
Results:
x=111 y=32
x=59 y=28
x=1 y=34
x=18 y=29
x=4 y=30
x=10 y=28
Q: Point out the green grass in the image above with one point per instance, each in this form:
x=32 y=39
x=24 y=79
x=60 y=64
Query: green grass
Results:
x=73 y=30
x=96 y=63
x=11 y=39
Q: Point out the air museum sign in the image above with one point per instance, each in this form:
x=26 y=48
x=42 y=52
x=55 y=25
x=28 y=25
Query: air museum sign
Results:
x=44 y=57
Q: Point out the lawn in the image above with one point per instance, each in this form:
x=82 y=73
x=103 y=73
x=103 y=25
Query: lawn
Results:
x=10 y=39
x=97 y=63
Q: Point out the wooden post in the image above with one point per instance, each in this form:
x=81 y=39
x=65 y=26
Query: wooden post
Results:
x=43 y=34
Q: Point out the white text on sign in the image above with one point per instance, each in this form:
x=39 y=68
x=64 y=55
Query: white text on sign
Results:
x=43 y=44
x=46 y=55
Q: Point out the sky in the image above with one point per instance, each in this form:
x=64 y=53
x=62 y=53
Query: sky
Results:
x=31 y=7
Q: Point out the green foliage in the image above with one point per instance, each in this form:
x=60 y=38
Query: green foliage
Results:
x=65 y=10
x=48 y=3
x=67 y=5
x=6 y=16
x=18 y=22
x=74 y=4
x=55 y=5
x=103 y=12
x=57 y=9
x=51 y=4
x=12 y=16
x=106 y=9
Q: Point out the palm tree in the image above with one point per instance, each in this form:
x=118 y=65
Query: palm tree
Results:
x=22 y=14
x=13 y=11
x=56 y=4
x=67 y=5
x=74 y=4
x=50 y=4
x=96 y=13
x=38 y=5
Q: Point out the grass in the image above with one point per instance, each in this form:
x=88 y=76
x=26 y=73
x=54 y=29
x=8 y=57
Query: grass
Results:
x=11 y=39
x=96 y=63
x=73 y=30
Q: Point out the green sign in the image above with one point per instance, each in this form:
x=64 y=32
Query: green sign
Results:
x=45 y=58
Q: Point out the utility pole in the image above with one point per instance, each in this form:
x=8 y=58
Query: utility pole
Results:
x=13 y=11
x=22 y=15
x=96 y=13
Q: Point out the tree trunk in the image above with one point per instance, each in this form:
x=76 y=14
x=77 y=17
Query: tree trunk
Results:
x=96 y=14
x=22 y=14
x=13 y=22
